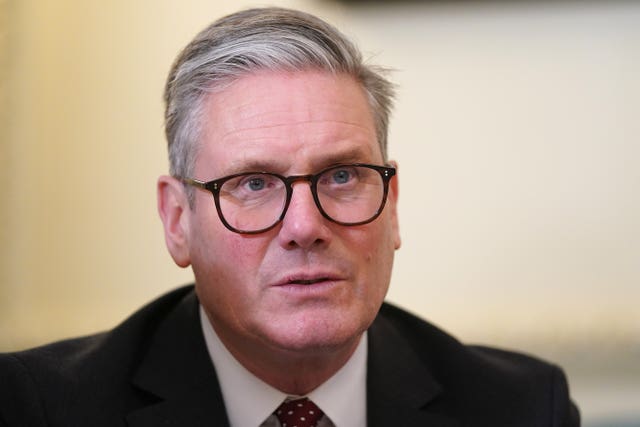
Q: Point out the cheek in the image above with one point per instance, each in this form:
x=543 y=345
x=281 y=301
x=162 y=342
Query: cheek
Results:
x=245 y=253
x=217 y=254
x=226 y=273
x=376 y=249
x=229 y=257
x=212 y=243
x=385 y=252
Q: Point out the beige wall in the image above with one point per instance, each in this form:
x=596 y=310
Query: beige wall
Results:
x=518 y=136
x=82 y=244
x=516 y=131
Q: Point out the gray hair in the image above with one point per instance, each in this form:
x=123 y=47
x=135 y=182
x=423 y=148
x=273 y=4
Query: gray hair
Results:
x=253 y=40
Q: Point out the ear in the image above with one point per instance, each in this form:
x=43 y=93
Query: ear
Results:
x=174 y=210
x=392 y=200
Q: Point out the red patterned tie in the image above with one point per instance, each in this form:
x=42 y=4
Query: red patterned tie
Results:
x=298 y=413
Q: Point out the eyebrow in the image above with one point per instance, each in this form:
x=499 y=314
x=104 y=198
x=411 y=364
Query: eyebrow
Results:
x=350 y=155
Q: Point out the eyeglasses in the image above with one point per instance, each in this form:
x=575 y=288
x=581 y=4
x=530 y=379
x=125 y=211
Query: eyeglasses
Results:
x=254 y=202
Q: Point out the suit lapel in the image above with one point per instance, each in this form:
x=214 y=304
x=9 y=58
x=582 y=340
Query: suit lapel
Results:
x=399 y=385
x=178 y=372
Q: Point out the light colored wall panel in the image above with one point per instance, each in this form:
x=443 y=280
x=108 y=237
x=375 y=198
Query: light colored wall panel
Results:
x=517 y=135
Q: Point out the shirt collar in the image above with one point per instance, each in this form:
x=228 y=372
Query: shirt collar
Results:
x=342 y=397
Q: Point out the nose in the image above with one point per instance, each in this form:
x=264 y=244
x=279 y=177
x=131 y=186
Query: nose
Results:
x=303 y=224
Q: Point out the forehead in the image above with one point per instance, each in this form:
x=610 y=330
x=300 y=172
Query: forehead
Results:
x=286 y=118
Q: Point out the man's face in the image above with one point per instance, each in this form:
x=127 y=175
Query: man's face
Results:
x=255 y=288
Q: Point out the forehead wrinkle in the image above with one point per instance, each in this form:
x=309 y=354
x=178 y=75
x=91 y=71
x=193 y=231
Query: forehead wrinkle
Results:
x=306 y=109
x=232 y=133
x=295 y=110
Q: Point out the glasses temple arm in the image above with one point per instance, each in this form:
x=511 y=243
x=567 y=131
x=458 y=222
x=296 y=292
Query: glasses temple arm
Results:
x=194 y=182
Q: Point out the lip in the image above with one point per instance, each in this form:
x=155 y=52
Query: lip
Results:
x=308 y=280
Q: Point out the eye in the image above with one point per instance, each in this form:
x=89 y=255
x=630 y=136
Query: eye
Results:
x=255 y=183
x=251 y=185
x=342 y=176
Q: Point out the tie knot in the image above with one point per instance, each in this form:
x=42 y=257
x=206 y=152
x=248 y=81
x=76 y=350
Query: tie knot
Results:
x=298 y=413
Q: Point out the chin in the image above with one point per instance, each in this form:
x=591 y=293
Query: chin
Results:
x=315 y=334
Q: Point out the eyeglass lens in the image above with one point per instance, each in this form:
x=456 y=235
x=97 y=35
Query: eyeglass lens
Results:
x=346 y=194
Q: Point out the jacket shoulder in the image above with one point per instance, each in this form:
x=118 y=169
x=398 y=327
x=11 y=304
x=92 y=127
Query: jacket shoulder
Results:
x=54 y=381
x=480 y=381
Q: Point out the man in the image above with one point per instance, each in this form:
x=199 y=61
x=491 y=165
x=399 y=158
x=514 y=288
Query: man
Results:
x=282 y=200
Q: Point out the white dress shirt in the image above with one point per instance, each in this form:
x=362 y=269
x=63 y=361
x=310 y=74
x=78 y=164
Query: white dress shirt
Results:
x=250 y=401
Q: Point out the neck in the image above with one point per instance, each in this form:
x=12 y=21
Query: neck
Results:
x=295 y=372
x=304 y=373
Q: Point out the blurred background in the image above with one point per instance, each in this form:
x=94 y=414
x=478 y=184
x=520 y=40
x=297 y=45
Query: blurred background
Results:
x=517 y=132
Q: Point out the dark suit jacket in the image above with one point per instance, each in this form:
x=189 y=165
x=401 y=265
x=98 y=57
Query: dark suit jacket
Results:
x=154 y=370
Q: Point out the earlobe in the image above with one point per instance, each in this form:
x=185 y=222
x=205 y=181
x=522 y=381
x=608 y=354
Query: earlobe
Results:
x=173 y=208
